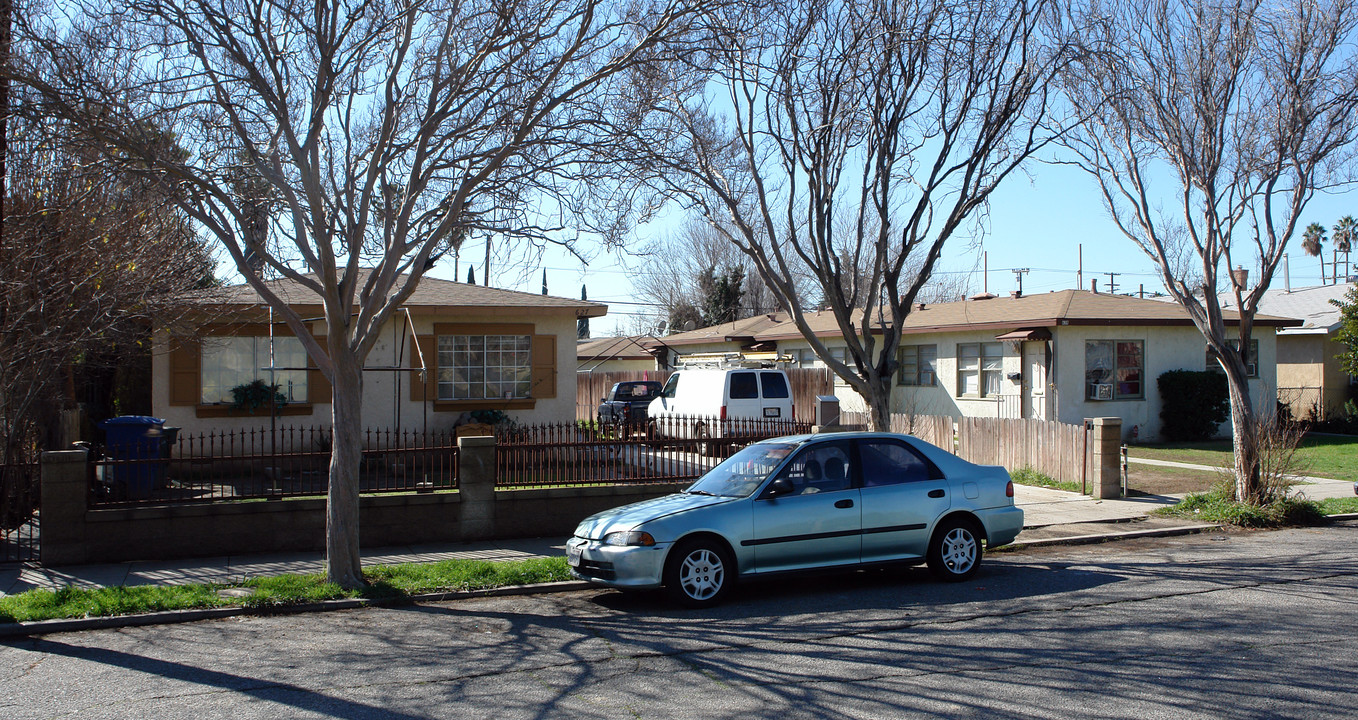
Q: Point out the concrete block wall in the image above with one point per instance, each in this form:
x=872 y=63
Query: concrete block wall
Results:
x=73 y=533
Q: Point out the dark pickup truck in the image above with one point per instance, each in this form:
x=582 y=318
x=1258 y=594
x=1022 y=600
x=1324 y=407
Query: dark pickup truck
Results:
x=627 y=402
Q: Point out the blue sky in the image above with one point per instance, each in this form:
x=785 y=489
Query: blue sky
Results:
x=1038 y=221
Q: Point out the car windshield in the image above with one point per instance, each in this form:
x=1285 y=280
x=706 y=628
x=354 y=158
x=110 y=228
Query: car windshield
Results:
x=741 y=474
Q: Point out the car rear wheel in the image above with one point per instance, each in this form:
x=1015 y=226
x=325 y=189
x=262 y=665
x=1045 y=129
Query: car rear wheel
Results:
x=955 y=550
x=698 y=573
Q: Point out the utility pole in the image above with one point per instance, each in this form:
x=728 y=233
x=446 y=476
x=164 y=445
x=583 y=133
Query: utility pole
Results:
x=1112 y=282
x=1018 y=275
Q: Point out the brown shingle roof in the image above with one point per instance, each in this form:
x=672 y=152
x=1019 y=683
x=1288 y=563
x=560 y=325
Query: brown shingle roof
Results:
x=431 y=293
x=1064 y=307
x=740 y=330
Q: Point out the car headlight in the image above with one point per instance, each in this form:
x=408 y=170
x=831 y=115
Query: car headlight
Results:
x=631 y=537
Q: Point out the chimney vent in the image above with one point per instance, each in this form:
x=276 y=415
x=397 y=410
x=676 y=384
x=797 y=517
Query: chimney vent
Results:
x=1094 y=286
x=1240 y=276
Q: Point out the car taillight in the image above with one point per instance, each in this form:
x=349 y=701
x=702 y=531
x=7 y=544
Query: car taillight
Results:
x=1009 y=489
x=723 y=412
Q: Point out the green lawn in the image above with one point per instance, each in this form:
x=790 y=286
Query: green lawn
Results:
x=1321 y=456
x=385 y=582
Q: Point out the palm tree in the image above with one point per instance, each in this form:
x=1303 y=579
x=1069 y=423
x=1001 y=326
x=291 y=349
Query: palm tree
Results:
x=1311 y=240
x=1345 y=233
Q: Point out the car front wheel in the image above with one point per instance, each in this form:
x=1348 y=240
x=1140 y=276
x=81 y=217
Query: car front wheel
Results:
x=698 y=573
x=955 y=550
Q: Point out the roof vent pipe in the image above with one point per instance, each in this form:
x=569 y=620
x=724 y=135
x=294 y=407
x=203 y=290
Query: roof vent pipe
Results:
x=1094 y=286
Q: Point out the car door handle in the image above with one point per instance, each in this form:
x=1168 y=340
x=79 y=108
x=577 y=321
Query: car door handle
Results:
x=844 y=503
x=936 y=493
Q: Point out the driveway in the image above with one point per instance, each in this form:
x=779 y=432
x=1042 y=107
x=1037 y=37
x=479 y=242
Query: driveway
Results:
x=1219 y=625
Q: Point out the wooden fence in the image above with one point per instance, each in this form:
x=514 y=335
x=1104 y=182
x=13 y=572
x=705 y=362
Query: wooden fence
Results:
x=1053 y=448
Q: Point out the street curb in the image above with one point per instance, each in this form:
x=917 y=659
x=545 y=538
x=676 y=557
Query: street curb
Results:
x=1111 y=536
x=170 y=617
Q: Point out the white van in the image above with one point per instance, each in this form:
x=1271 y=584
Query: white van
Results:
x=702 y=395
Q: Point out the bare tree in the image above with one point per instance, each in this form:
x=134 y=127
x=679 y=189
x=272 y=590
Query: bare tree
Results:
x=89 y=258
x=903 y=116
x=1211 y=125
x=385 y=133
x=668 y=277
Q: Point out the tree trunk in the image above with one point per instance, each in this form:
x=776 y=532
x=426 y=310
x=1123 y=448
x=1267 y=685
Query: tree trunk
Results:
x=342 y=559
x=879 y=404
x=1244 y=440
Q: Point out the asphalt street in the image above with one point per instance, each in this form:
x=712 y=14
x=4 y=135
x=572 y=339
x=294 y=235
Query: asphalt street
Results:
x=1240 y=624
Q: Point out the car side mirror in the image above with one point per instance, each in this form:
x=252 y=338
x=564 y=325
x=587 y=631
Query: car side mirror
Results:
x=780 y=486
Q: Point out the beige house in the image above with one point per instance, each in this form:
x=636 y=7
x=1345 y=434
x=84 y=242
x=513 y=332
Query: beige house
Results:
x=451 y=349
x=1310 y=381
x=1064 y=356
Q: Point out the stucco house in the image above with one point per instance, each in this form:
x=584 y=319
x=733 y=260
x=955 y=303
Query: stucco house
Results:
x=1310 y=381
x=1064 y=355
x=451 y=349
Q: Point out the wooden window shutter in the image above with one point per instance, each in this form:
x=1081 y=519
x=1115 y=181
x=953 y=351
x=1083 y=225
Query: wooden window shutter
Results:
x=185 y=379
x=544 y=367
x=429 y=345
x=317 y=387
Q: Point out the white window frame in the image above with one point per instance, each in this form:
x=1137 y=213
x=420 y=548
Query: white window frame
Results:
x=228 y=361
x=485 y=367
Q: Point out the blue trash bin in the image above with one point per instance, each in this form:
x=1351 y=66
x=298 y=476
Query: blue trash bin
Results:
x=136 y=437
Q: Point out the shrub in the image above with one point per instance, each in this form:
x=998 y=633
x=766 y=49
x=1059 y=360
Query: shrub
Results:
x=1193 y=404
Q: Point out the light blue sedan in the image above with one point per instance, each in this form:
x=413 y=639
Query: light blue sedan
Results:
x=803 y=502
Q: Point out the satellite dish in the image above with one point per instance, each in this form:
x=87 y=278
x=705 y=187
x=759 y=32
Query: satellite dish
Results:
x=689 y=325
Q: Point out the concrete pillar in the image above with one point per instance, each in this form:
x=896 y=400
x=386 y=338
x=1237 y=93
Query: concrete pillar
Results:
x=65 y=500
x=476 y=487
x=1105 y=443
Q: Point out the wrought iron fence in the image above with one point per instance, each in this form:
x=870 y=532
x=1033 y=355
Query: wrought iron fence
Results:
x=20 y=496
x=267 y=463
x=660 y=450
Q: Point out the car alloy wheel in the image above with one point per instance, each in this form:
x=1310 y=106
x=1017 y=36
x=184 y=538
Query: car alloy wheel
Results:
x=955 y=551
x=697 y=574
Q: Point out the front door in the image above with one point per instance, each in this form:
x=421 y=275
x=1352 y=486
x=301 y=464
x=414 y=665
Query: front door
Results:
x=819 y=523
x=1035 y=379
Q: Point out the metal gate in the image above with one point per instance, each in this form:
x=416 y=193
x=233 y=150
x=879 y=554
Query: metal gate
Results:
x=20 y=500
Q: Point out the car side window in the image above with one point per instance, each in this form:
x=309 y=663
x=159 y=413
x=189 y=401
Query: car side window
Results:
x=823 y=467
x=743 y=386
x=889 y=462
x=775 y=385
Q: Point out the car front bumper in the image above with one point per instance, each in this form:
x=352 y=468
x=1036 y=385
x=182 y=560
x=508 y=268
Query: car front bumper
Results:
x=619 y=566
x=1002 y=525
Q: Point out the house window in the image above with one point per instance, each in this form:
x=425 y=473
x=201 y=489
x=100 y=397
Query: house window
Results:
x=917 y=365
x=228 y=362
x=978 y=369
x=475 y=367
x=1114 y=369
x=1251 y=362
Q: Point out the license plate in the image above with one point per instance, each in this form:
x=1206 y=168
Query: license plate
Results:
x=573 y=556
x=773 y=412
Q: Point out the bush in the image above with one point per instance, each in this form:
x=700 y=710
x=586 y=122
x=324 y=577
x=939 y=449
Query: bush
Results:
x=1216 y=505
x=1193 y=404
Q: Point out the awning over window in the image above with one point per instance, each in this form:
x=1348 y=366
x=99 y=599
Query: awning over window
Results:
x=1038 y=333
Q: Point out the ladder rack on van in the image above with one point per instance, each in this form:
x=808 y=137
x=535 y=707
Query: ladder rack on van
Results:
x=733 y=360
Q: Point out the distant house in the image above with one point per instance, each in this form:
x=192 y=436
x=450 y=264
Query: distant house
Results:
x=452 y=348
x=1310 y=381
x=1064 y=356
x=618 y=353
x=741 y=335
